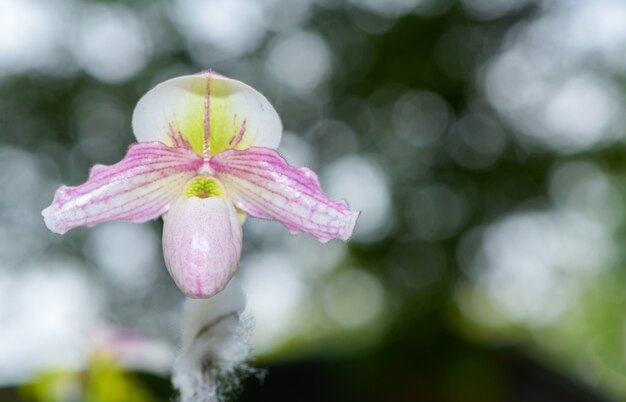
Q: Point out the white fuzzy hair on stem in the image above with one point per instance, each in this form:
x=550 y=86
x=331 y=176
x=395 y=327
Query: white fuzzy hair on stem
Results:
x=214 y=346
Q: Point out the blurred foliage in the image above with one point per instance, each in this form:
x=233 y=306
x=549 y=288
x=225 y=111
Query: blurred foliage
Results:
x=105 y=381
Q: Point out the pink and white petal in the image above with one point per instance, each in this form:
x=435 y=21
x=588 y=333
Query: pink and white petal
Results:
x=201 y=244
x=139 y=188
x=263 y=184
x=208 y=113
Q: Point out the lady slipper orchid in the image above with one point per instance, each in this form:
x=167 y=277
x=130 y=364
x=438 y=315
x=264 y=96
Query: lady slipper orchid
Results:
x=205 y=158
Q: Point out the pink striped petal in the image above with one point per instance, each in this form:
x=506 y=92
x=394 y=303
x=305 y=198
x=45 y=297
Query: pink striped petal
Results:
x=261 y=183
x=138 y=188
x=201 y=244
x=208 y=113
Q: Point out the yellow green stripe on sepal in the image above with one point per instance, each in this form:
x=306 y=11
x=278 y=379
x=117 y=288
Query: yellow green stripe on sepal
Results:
x=210 y=115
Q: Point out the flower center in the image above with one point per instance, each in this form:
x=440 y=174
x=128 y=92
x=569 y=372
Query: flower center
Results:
x=204 y=187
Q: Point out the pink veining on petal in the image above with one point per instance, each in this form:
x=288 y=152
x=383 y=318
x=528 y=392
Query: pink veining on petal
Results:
x=138 y=188
x=263 y=184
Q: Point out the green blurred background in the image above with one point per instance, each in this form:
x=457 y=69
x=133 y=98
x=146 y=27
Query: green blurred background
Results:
x=481 y=139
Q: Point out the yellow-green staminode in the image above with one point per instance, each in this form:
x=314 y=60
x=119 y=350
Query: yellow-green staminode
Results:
x=204 y=187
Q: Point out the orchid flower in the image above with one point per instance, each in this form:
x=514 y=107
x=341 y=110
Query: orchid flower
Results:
x=205 y=157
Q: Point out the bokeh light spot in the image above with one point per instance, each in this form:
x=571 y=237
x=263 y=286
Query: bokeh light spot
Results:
x=364 y=184
x=99 y=27
x=353 y=298
x=300 y=60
